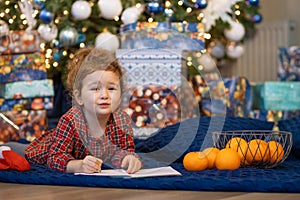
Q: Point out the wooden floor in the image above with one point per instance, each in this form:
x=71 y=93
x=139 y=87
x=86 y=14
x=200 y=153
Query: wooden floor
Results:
x=11 y=191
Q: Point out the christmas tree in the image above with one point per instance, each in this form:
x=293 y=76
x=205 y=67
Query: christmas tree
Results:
x=66 y=25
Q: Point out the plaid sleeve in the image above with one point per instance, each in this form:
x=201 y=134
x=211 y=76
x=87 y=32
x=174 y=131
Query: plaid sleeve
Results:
x=59 y=151
x=66 y=144
x=37 y=151
x=56 y=147
x=122 y=137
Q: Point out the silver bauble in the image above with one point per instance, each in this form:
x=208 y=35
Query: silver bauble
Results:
x=68 y=36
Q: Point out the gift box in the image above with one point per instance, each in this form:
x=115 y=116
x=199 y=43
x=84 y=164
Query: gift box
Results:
x=289 y=67
x=151 y=66
x=18 y=42
x=174 y=35
x=274 y=95
x=22 y=124
x=8 y=131
x=38 y=103
x=152 y=76
x=151 y=108
x=22 y=67
x=27 y=89
x=228 y=96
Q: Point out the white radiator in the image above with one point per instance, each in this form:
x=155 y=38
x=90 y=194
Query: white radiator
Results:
x=260 y=59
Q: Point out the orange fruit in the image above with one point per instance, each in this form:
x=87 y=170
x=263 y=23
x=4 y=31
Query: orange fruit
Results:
x=240 y=145
x=276 y=152
x=257 y=151
x=227 y=159
x=211 y=154
x=195 y=161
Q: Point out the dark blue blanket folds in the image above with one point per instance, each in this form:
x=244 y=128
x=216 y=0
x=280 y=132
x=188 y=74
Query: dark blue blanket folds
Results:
x=284 y=178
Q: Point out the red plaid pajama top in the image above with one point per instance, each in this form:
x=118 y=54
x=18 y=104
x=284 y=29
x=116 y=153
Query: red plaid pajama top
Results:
x=71 y=140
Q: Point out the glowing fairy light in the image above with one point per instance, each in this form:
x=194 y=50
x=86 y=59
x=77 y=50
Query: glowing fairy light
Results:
x=237 y=12
x=42 y=46
x=64 y=53
x=189 y=9
x=49 y=51
x=168 y=4
x=116 y=18
x=55 y=64
x=84 y=29
x=150 y=19
x=65 y=12
x=207 y=36
x=82 y=45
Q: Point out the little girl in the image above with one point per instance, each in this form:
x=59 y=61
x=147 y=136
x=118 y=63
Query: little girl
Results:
x=94 y=130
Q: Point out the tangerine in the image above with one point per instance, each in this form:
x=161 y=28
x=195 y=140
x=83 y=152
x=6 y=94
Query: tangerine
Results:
x=257 y=151
x=211 y=154
x=195 y=161
x=276 y=152
x=227 y=159
x=240 y=145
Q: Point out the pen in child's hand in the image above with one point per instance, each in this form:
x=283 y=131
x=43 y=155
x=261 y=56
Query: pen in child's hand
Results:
x=98 y=165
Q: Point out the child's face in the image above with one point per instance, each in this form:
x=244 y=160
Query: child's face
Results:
x=100 y=93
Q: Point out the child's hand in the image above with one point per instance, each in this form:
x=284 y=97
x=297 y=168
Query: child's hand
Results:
x=134 y=164
x=91 y=164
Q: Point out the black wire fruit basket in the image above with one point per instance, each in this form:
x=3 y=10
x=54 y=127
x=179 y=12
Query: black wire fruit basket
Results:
x=256 y=148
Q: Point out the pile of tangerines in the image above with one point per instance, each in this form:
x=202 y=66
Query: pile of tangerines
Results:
x=237 y=152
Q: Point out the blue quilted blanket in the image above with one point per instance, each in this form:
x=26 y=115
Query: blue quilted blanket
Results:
x=284 y=178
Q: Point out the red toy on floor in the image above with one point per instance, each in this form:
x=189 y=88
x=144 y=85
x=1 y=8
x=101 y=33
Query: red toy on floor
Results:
x=9 y=159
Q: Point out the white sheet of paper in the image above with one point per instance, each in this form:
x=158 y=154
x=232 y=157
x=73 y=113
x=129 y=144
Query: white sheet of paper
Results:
x=151 y=172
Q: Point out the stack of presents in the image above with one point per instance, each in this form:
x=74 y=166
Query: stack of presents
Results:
x=156 y=56
x=25 y=92
x=152 y=55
